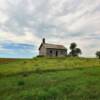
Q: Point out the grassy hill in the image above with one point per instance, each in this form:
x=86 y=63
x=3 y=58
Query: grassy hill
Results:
x=50 y=79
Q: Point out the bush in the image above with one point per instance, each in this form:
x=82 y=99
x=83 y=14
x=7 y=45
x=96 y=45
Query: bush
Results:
x=24 y=62
x=40 y=56
x=21 y=83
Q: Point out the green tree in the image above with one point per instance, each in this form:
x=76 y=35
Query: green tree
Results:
x=73 y=46
x=78 y=51
x=74 y=50
x=98 y=54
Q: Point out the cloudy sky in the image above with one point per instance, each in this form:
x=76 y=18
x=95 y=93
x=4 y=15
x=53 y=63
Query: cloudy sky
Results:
x=23 y=23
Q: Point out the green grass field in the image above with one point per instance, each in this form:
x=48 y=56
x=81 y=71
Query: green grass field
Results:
x=50 y=79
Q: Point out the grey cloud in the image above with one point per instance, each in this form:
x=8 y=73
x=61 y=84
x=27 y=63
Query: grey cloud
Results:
x=41 y=17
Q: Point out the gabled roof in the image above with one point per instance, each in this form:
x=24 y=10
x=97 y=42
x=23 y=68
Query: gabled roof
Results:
x=52 y=46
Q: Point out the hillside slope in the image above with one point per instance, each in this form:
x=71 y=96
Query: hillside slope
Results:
x=14 y=66
x=50 y=79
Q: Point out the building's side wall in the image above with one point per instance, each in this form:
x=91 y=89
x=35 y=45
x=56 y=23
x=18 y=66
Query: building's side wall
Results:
x=56 y=52
x=42 y=51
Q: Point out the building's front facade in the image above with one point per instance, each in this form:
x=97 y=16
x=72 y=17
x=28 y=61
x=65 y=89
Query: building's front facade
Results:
x=55 y=52
x=52 y=50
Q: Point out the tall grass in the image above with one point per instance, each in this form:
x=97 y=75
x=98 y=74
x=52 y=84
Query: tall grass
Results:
x=50 y=79
x=44 y=63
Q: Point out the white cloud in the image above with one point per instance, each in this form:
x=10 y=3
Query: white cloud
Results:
x=27 y=37
x=27 y=21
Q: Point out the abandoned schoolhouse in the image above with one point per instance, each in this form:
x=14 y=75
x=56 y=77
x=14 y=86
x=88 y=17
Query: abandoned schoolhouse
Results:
x=54 y=50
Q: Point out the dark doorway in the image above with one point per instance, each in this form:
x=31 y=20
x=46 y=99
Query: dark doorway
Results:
x=56 y=53
x=50 y=52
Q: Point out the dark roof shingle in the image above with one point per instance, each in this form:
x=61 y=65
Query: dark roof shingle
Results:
x=54 y=46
